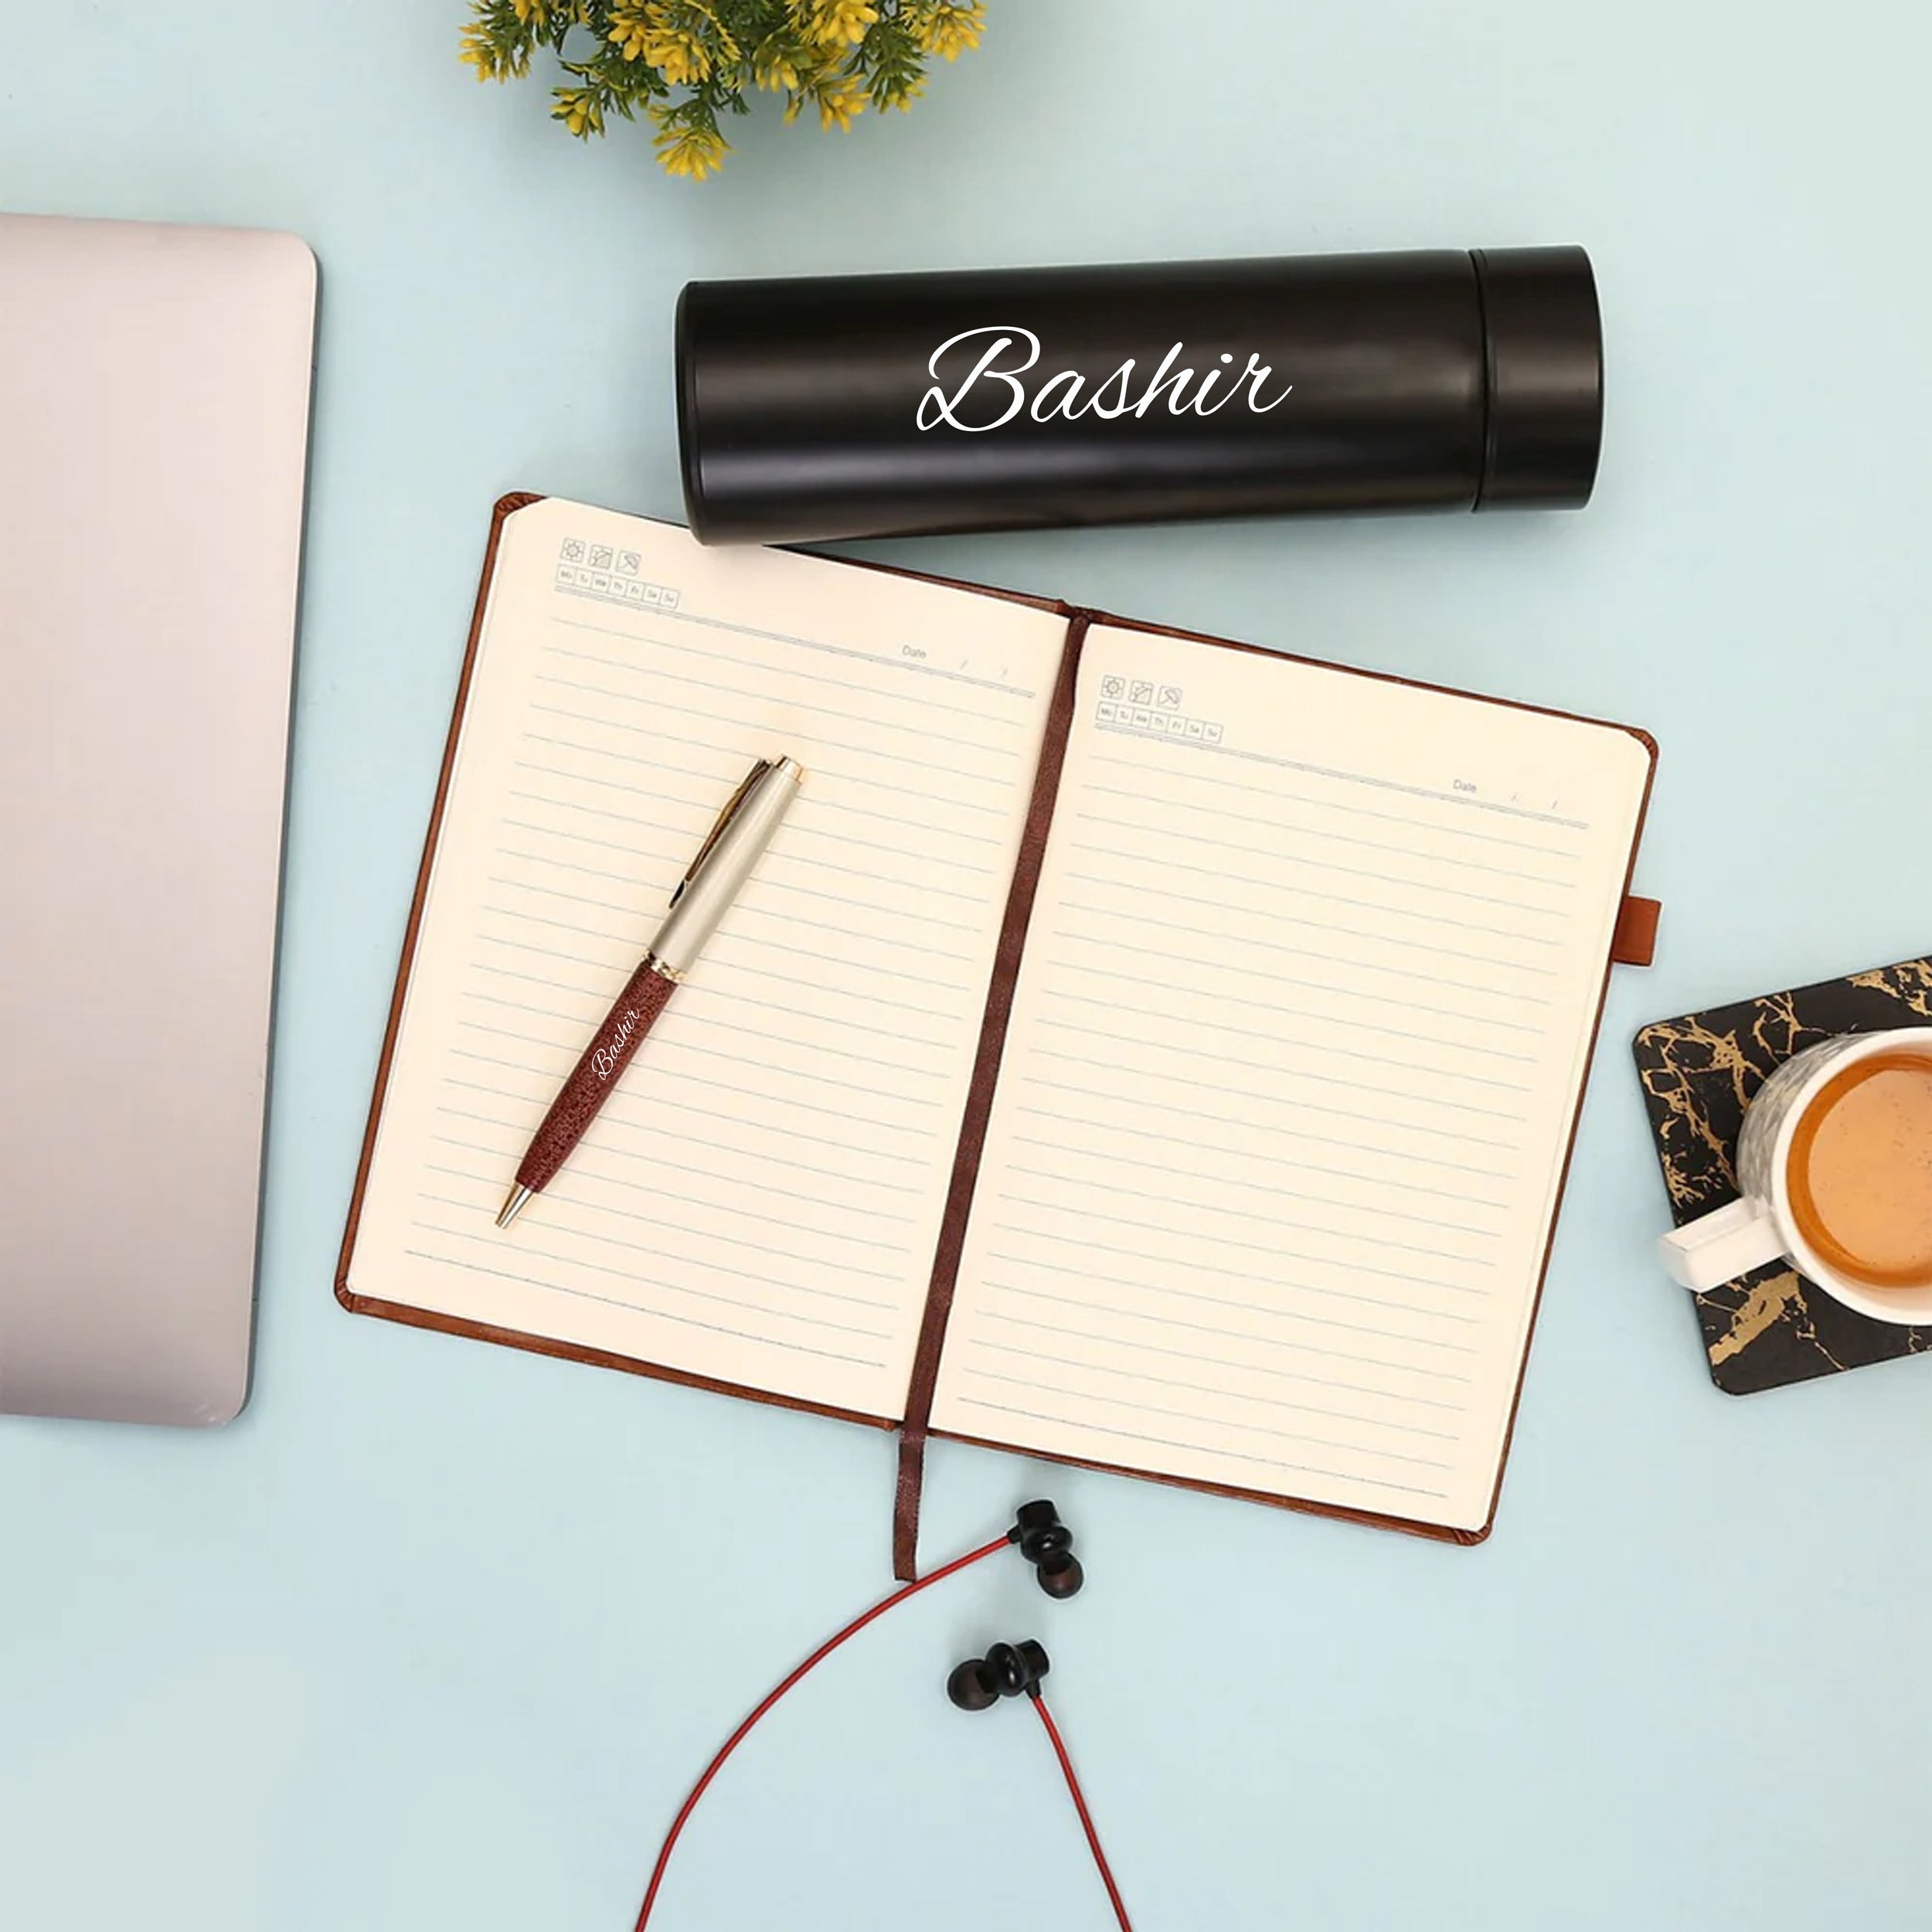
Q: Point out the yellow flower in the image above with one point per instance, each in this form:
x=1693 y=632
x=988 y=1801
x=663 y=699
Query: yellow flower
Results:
x=692 y=152
x=652 y=31
x=480 y=51
x=833 y=23
x=841 y=101
x=773 y=66
x=954 y=30
x=679 y=58
x=630 y=30
x=531 y=12
x=580 y=110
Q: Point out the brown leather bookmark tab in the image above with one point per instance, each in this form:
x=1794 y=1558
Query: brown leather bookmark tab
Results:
x=905 y=1496
x=978 y=1110
x=1635 y=942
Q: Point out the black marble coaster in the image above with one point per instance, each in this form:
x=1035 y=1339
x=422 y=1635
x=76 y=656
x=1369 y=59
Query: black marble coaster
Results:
x=1771 y=1327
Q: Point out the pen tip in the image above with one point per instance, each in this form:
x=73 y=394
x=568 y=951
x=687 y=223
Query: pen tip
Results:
x=513 y=1206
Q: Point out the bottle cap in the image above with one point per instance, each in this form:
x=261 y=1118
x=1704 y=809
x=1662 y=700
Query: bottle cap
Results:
x=1543 y=352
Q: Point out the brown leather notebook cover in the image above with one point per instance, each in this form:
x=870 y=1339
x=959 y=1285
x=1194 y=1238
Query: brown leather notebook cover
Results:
x=1632 y=945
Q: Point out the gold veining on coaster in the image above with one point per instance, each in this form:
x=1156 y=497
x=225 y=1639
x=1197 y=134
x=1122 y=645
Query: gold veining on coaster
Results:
x=1685 y=1048
x=1767 y=1304
x=1910 y=985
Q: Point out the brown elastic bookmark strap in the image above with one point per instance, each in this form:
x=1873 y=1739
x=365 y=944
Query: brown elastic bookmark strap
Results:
x=1635 y=942
x=979 y=1107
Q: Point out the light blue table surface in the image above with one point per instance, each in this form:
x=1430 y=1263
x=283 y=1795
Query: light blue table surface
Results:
x=437 y=1634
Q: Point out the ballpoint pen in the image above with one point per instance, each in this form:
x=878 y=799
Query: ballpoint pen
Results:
x=715 y=879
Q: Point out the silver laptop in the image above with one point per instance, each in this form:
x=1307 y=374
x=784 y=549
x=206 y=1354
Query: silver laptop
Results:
x=154 y=413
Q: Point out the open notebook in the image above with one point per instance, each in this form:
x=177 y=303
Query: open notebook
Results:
x=1134 y=1050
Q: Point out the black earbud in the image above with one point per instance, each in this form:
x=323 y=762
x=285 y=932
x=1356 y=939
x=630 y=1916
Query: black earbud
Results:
x=1047 y=1544
x=1005 y=1671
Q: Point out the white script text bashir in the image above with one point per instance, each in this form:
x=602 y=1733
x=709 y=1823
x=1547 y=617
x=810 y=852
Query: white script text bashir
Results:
x=1013 y=352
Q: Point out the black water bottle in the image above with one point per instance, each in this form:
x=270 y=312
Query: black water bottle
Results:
x=902 y=405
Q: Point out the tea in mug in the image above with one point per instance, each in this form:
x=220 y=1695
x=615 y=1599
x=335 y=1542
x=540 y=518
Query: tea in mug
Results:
x=1861 y=1171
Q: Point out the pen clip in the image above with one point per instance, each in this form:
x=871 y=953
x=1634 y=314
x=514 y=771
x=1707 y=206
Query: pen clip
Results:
x=716 y=832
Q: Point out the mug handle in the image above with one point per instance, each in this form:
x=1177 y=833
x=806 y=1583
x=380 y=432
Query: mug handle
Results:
x=1719 y=1247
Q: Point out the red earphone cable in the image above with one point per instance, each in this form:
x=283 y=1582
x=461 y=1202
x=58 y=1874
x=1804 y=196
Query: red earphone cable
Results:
x=1079 y=1805
x=818 y=1656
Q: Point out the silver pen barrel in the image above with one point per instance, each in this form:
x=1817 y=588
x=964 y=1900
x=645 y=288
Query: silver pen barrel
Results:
x=723 y=866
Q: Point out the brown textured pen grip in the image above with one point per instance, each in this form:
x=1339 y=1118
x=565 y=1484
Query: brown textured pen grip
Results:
x=591 y=1080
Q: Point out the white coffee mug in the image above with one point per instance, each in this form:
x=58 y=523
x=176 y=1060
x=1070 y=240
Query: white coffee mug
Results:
x=1759 y=1227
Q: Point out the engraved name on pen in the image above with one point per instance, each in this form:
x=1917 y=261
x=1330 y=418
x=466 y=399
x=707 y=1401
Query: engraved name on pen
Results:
x=607 y=1059
x=1013 y=352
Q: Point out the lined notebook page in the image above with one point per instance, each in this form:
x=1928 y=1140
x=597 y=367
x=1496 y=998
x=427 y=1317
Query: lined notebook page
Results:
x=758 y=1202
x=1298 y=1039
